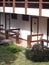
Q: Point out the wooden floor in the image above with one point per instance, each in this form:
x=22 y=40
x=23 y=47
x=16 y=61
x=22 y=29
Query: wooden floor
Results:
x=22 y=43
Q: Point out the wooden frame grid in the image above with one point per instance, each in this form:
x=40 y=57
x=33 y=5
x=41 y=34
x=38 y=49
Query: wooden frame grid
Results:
x=40 y=2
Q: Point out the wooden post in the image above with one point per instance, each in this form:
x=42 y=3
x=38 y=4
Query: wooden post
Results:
x=42 y=43
x=17 y=37
x=6 y=34
x=29 y=41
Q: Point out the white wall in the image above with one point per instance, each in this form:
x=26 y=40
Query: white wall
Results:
x=3 y=21
x=45 y=12
x=9 y=9
x=33 y=11
x=19 y=10
x=30 y=11
x=1 y=9
x=43 y=28
x=23 y=25
x=17 y=23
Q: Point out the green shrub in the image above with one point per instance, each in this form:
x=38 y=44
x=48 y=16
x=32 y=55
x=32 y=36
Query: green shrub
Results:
x=37 y=55
x=14 y=48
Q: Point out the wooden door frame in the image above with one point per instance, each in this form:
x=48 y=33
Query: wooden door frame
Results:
x=0 y=18
x=37 y=24
x=6 y=20
x=47 y=31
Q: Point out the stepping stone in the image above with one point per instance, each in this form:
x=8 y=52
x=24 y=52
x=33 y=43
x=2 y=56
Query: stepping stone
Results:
x=5 y=41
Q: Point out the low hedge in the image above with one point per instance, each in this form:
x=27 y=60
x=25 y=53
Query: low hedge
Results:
x=14 y=48
x=37 y=55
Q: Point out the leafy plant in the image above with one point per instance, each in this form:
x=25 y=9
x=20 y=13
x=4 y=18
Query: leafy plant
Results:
x=37 y=55
x=14 y=48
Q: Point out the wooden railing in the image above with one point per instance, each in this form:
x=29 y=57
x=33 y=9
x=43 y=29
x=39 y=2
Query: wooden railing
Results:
x=8 y=31
x=29 y=39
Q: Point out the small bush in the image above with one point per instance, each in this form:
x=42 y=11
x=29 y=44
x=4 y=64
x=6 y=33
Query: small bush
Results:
x=37 y=55
x=14 y=48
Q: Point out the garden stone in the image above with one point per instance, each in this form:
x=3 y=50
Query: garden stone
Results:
x=5 y=41
x=37 y=47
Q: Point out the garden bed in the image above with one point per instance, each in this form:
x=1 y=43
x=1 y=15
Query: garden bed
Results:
x=15 y=55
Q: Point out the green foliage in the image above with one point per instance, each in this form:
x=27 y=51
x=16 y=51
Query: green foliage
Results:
x=14 y=48
x=10 y=53
x=37 y=55
x=7 y=57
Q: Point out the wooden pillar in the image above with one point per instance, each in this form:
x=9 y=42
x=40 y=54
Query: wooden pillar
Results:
x=42 y=44
x=6 y=34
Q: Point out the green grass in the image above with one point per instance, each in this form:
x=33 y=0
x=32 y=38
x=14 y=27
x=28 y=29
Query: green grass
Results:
x=15 y=55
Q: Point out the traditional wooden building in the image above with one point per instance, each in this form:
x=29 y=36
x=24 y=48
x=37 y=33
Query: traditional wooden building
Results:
x=31 y=16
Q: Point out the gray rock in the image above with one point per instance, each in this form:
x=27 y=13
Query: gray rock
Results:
x=5 y=41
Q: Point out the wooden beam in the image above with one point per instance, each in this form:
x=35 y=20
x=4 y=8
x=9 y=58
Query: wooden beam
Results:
x=26 y=6
x=40 y=7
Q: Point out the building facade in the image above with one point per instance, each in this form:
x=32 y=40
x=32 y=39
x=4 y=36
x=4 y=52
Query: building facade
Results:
x=31 y=16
